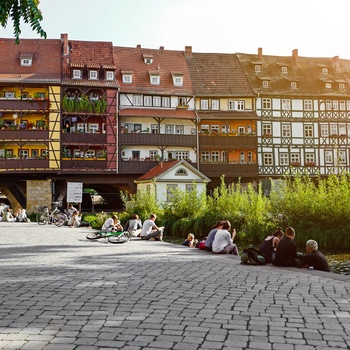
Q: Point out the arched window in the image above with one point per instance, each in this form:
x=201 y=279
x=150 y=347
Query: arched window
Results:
x=181 y=172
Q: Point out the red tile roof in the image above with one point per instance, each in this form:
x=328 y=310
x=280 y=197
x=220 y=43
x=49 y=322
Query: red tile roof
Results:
x=158 y=170
x=164 y=62
x=215 y=74
x=46 y=65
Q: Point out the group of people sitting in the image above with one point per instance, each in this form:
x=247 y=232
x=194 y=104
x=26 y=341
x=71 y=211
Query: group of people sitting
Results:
x=20 y=215
x=219 y=239
x=147 y=231
x=278 y=248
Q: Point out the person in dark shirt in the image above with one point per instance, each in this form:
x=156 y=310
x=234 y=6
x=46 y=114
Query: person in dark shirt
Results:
x=314 y=258
x=269 y=245
x=286 y=252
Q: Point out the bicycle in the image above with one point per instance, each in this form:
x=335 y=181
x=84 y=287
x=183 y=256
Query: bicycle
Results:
x=111 y=236
x=55 y=217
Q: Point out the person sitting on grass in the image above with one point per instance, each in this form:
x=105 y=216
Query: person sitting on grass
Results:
x=112 y=224
x=190 y=241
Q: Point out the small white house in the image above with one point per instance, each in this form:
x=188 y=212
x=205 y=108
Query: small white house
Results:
x=171 y=175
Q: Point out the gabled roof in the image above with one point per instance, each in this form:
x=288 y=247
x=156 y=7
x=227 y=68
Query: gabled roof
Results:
x=165 y=167
x=46 y=61
x=216 y=74
x=164 y=63
x=305 y=71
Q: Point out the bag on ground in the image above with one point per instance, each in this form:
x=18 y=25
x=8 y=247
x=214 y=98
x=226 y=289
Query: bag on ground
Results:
x=251 y=256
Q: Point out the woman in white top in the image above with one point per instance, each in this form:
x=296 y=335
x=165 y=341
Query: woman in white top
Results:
x=223 y=241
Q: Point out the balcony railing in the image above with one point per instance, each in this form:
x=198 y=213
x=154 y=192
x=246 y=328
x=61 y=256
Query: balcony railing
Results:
x=157 y=139
x=75 y=138
x=235 y=169
x=136 y=167
x=23 y=164
x=23 y=105
x=23 y=134
x=229 y=141
x=85 y=164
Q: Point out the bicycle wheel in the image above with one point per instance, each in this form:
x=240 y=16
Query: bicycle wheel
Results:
x=94 y=235
x=42 y=218
x=59 y=219
x=123 y=237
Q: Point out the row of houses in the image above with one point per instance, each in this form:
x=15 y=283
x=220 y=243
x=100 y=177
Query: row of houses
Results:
x=105 y=115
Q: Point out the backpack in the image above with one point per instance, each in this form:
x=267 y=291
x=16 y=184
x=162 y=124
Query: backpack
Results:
x=251 y=256
x=201 y=245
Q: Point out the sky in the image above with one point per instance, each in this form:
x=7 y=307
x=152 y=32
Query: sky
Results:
x=317 y=28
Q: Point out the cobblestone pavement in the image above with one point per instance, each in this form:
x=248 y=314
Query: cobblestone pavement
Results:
x=61 y=291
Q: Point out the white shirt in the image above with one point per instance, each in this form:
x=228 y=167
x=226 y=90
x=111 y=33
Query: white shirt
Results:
x=147 y=227
x=221 y=240
x=109 y=222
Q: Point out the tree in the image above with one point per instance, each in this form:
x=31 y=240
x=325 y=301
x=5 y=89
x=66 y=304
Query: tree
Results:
x=27 y=10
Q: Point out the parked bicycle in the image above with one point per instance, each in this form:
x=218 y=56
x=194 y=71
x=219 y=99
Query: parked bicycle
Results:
x=56 y=217
x=111 y=236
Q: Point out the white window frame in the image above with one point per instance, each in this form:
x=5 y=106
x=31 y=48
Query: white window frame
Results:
x=308 y=131
x=286 y=104
x=157 y=101
x=215 y=156
x=284 y=70
x=293 y=85
x=240 y=106
x=93 y=75
x=267 y=129
x=178 y=80
x=154 y=79
x=286 y=130
x=265 y=83
x=324 y=130
x=309 y=158
x=109 y=75
x=268 y=159
x=328 y=85
x=266 y=103
x=329 y=105
x=257 y=68
x=179 y=129
x=333 y=129
x=147 y=101
x=77 y=74
x=284 y=159
x=341 y=156
x=205 y=156
x=328 y=157
x=165 y=101
x=137 y=100
x=127 y=78
x=182 y=155
x=335 y=105
x=324 y=70
x=231 y=105
x=295 y=158
x=341 y=86
x=204 y=104
x=26 y=61
x=215 y=105
x=93 y=128
x=342 y=105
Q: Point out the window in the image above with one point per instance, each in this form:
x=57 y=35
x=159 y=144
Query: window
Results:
x=265 y=83
x=205 y=155
x=284 y=70
x=324 y=70
x=342 y=129
x=10 y=94
x=153 y=154
x=189 y=187
x=309 y=158
x=241 y=157
x=127 y=78
x=284 y=159
x=286 y=130
x=24 y=153
x=77 y=74
x=341 y=86
x=268 y=159
x=348 y=105
x=170 y=191
x=342 y=105
x=26 y=61
x=24 y=95
x=155 y=79
x=109 y=75
x=341 y=157
x=308 y=131
x=81 y=127
x=329 y=105
x=147 y=101
x=328 y=156
x=204 y=104
x=181 y=172
x=169 y=129
x=328 y=85
x=90 y=153
x=294 y=158
x=157 y=101
x=335 y=104
x=241 y=130
x=215 y=156
x=166 y=101
x=334 y=129
x=324 y=130
x=285 y=104
x=225 y=129
x=215 y=129
x=231 y=105
x=154 y=129
x=93 y=128
x=148 y=59
x=35 y=153
x=204 y=128
x=266 y=129
x=257 y=68
x=180 y=129
x=266 y=103
x=293 y=85
x=240 y=105
x=250 y=156
x=177 y=80
x=137 y=127
x=182 y=101
x=215 y=105
x=93 y=75
x=224 y=156
x=182 y=155
x=136 y=100
x=308 y=105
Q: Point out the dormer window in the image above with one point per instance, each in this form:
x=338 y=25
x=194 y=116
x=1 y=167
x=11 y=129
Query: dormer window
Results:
x=177 y=79
x=328 y=85
x=26 y=60
x=93 y=75
x=109 y=75
x=284 y=70
x=258 y=68
x=341 y=86
x=324 y=70
x=154 y=78
x=127 y=77
x=77 y=74
x=148 y=59
x=294 y=85
x=265 y=83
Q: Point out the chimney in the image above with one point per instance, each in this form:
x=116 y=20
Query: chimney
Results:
x=188 y=51
x=260 y=53
x=335 y=62
x=138 y=46
x=295 y=56
x=161 y=48
x=64 y=40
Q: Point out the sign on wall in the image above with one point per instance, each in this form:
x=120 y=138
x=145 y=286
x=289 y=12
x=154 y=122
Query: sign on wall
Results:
x=74 y=192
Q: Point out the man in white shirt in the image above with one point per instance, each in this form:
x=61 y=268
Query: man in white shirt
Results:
x=151 y=230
